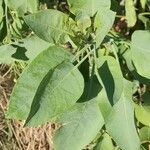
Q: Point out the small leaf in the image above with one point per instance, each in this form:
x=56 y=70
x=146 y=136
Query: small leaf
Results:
x=142 y=114
x=145 y=20
x=63 y=87
x=120 y=123
x=28 y=83
x=141 y=52
x=142 y=111
x=130 y=13
x=104 y=20
x=144 y=134
x=80 y=126
x=89 y=7
x=125 y=52
x=83 y=21
x=56 y=28
x=143 y=3
x=105 y=143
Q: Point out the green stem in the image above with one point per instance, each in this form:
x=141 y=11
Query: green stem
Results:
x=114 y=51
x=145 y=13
x=80 y=52
x=96 y=68
x=84 y=58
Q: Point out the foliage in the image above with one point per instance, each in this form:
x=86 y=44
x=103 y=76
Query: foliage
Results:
x=81 y=73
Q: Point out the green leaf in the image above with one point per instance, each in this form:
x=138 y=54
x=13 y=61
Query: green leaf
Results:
x=25 y=49
x=89 y=7
x=143 y=3
x=104 y=20
x=142 y=111
x=51 y=25
x=145 y=20
x=28 y=83
x=33 y=46
x=80 y=126
x=105 y=143
x=64 y=87
x=144 y=134
x=104 y=103
x=6 y=51
x=125 y=52
x=141 y=52
x=83 y=21
x=130 y=13
x=15 y=3
x=120 y=123
x=23 y=6
x=111 y=76
x=93 y=89
x=142 y=115
x=32 y=6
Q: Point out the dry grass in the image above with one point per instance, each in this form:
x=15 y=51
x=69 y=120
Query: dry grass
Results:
x=13 y=136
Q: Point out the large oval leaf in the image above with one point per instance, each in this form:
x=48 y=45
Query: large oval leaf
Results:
x=64 y=87
x=28 y=83
x=141 y=52
x=51 y=25
x=89 y=7
x=120 y=123
x=80 y=125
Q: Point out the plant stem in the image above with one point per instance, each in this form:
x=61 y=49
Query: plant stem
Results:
x=84 y=58
x=80 y=52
